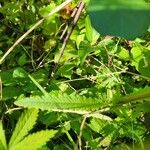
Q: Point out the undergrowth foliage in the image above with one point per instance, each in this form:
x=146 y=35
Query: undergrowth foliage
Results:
x=76 y=89
x=21 y=138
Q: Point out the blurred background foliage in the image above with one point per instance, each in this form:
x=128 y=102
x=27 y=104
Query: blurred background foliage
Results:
x=92 y=65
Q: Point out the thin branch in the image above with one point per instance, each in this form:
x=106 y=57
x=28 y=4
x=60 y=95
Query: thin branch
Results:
x=92 y=78
x=58 y=8
x=132 y=73
x=14 y=109
x=81 y=131
x=75 y=20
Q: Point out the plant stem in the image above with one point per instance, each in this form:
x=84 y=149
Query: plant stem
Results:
x=131 y=98
x=75 y=20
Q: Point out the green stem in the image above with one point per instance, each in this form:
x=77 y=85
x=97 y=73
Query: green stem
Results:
x=131 y=98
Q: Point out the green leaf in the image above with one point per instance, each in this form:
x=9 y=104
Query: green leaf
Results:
x=91 y=34
x=98 y=125
x=59 y=147
x=40 y=75
x=22 y=60
x=28 y=19
x=3 y=145
x=123 y=53
x=50 y=24
x=144 y=64
x=35 y=140
x=137 y=55
x=124 y=18
x=44 y=11
x=7 y=78
x=79 y=104
x=62 y=102
x=79 y=39
x=49 y=44
x=10 y=92
x=69 y=53
x=19 y=73
x=89 y=29
x=37 y=84
x=66 y=70
x=141 y=60
x=24 y=125
x=84 y=49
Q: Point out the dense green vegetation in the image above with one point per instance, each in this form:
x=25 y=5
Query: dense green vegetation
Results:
x=81 y=89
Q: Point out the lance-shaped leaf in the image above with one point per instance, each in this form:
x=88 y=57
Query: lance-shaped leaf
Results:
x=63 y=102
x=3 y=145
x=35 y=140
x=24 y=125
x=124 y=18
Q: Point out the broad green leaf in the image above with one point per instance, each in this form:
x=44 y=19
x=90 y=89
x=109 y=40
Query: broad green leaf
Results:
x=22 y=60
x=3 y=145
x=98 y=125
x=19 y=73
x=141 y=60
x=137 y=55
x=84 y=49
x=105 y=128
x=144 y=64
x=124 y=18
x=49 y=44
x=50 y=24
x=69 y=53
x=40 y=75
x=91 y=34
x=24 y=125
x=44 y=11
x=49 y=118
x=11 y=92
x=89 y=29
x=79 y=39
x=7 y=78
x=66 y=70
x=123 y=53
x=35 y=140
x=60 y=147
